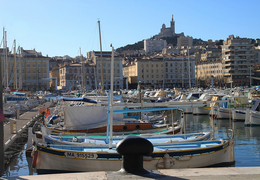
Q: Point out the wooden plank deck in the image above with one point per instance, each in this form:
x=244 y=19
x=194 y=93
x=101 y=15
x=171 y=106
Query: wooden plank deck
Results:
x=21 y=124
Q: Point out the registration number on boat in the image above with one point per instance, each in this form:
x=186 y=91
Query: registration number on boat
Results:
x=80 y=155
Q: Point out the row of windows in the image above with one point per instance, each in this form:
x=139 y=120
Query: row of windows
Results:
x=166 y=70
x=166 y=76
x=108 y=65
x=167 y=81
x=166 y=64
x=89 y=82
x=33 y=65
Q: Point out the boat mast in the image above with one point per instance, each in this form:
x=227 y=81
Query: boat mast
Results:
x=111 y=100
x=102 y=80
x=189 y=66
x=2 y=66
x=82 y=71
x=182 y=72
x=5 y=68
x=20 y=69
x=15 y=75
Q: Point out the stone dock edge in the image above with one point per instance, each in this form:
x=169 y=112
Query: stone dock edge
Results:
x=223 y=173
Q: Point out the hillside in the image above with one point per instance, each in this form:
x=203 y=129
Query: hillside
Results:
x=140 y=44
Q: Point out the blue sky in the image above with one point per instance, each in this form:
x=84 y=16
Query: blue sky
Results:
x=61 y=27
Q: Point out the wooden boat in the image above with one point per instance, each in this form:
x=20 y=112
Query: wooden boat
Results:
x=252 y=118
x=102 y=140
x=62 y=158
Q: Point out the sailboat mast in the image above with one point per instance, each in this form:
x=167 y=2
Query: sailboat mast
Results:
x=189 y=66
x=15 y=75
x=111 y=100
x=20 y=69
x=2 y=70
x=6 y=61
x=182 y=71
x=102 y=79
x=82 y=71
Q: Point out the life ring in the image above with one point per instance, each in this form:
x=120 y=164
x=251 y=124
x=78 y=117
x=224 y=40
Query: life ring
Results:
x=34 y=159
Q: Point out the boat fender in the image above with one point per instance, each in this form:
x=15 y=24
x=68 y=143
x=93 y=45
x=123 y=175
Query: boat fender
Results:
x=34 y=159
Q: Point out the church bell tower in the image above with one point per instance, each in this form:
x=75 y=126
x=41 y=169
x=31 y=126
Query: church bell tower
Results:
x=173 y=26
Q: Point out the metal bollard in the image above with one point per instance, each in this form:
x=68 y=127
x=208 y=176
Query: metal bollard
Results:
x=132 y=149
x=13 y=127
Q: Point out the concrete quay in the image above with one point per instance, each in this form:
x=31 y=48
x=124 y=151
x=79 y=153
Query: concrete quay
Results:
x=223 y=173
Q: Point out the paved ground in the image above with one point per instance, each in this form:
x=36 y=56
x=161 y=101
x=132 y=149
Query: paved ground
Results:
x=230 y=173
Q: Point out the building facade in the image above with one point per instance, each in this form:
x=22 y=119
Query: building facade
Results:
x=71 y=76
x=183 y=41
x=95 y=57
x=238 y=57
x=27 y=70
x=154 y=45
x=169 y=71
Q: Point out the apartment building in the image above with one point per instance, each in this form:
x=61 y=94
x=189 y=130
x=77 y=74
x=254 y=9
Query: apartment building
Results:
x=71 y=76
x=154 y=45
x=148 y=71
x=210 y=63
x=26 y=70
x=184 y=41
x=238 y=57
x=151 y=72
x=95 y=57
x=204 y=71
x=179 y=71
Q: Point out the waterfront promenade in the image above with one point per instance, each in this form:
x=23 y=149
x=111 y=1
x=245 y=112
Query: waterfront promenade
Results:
x=225 y=173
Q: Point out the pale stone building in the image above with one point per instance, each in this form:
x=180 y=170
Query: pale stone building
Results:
x=26 y=70
x=95 y=57
x=71 y=76
x=152 y=71
x=154 y=45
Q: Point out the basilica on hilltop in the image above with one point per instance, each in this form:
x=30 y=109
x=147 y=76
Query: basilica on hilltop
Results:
x=168 y=32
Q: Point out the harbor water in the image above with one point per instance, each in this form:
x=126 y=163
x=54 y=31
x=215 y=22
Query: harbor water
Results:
x=247 y=146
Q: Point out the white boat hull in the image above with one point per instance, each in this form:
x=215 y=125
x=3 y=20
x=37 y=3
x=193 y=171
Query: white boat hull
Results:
x=239 y=115
x=252 y=118
x=224 y=113
x=84 y=162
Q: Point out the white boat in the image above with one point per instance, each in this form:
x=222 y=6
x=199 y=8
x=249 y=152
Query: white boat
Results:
x=60 y=158
x=240 y=114
x=232 y=108
x=252 y=118
x=99 y=140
